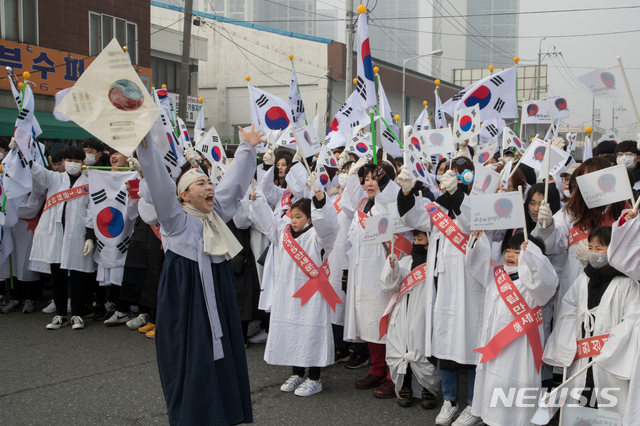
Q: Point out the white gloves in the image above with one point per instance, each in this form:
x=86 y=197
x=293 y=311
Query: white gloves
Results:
x=298 y=156
x=134 y=164
x=559 y=143
x=88 y=247
x=344 y=157
x=268 y=158
x=13 y=144
x=449 y=182
x=311 y=180
x=582 y=251
x=192 y=157
x=404 y=180
x=545 y=216
x=463 y=151
x=355 y=167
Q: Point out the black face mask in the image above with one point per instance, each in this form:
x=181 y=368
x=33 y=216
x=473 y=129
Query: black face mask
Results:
x=419 y=249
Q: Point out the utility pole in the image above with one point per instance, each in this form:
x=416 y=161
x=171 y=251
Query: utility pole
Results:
x=186 y=50
x=349 y=58
x=613 y=115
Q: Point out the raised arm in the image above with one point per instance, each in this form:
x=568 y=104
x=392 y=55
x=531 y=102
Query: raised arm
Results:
x=325 y=221
x=545 y=280
x=235 y=181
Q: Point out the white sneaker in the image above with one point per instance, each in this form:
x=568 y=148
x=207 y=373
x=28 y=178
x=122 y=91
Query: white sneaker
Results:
x=447 y=413
x=467 y=419
x=51 y=308
x=28 y=306
x=292 y=383
x=117 y=318
x=309 y=387
x=57 y=322
x=77 y=323
x=259 y=338
x=138 y=321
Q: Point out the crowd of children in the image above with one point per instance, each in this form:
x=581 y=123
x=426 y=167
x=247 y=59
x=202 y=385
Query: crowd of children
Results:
x=271 y=254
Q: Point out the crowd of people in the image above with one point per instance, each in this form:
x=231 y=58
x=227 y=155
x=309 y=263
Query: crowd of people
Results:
x=270 y=255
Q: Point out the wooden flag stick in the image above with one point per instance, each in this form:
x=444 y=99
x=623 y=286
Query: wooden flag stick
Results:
x=626 y=82
x=524 y=228
x=105 y=168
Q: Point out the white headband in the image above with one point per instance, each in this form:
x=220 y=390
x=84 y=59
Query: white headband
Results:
x=188 y=178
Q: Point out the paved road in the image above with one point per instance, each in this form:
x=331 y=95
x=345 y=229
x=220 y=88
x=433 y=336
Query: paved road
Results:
x=108 y=376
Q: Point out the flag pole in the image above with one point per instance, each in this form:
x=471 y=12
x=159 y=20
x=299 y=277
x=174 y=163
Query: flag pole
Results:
x=521 y=115
x=555 y=128
x=373 y=138
x=516 y=60
x=626 y=83
x=297 y=85
x=84 y=167
x=524 y=228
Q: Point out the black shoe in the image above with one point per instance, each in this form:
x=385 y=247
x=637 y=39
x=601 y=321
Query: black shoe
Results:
x=357 y=361
x=429 y=400
x=87 y=312
x=342 y=355
x=99 y=312
x=404 y=397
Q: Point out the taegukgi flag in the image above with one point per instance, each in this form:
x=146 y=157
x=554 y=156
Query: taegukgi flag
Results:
x=212 y=149
x=110 y=101
x=365 y=85
x=295 y=102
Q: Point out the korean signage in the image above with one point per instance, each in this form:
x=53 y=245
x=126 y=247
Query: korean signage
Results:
x=51 y=70
x=193 y=106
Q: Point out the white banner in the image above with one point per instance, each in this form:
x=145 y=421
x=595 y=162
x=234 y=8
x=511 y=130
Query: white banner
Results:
x=605 y=186
x=435 y=141
x=538 y=111
x=503 y=210
x=486 y=181
x=535 y=156
x=485 y=154
x=378 y=229
x=605 y=83
x=307 y=138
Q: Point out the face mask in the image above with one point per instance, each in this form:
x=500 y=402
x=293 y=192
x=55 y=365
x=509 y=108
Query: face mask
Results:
x=511 y=269
x=438 y=178
x=626 y=160
x=72 y=168
x=462 y=187
x=419 y=249
x=567 y=193
x=342 y=180
x=89 y=159
x=597 y=260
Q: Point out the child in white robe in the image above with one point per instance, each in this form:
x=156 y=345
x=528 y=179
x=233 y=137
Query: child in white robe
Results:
x=300 y=328
x=599 y=301
x=515 y=365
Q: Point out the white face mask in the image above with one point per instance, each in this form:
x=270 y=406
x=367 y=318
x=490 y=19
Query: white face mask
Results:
x=438 y=178
x=511 y=269
x=90 y=159
x=597 y=260
x=72 y=168
x=567 y=193
x=626 y=160
x=342 y=180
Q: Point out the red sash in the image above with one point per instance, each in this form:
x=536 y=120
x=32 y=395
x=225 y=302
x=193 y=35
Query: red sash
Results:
x=318 y=277
x=336 y=204
x=417 y=276
x=448 y=227
x=577 y=234
x=32 y=224
x=286 y=199
x=526 y=321
x=66 y=195
x=401 y=243
x=591 y=346
x=156 y=230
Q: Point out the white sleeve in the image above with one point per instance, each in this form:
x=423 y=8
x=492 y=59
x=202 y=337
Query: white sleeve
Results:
x=545 y=280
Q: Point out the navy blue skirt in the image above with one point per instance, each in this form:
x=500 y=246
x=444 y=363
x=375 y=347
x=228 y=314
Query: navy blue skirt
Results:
x=197 y=389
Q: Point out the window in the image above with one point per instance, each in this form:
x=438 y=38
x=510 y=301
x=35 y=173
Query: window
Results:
x=103 y=28
x=19 y=20
x=166 y=72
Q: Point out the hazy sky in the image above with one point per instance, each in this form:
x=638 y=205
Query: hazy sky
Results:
x=581 y=53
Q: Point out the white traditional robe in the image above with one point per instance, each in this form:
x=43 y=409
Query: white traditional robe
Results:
x=514 y=366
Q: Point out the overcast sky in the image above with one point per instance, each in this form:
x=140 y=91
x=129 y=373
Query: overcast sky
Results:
x=581 y=53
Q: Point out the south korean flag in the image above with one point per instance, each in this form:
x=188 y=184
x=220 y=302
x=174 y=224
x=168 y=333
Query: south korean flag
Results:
x=415 y=167
x=211 y=147
x=467 y=124
x=360 y=145
x=113 y=214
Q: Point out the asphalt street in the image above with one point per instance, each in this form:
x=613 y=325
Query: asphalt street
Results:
x=108 y=376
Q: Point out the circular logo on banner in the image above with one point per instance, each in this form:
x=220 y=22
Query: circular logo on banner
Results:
x=416 y=143
x=486 y=183
x=538 y=154
x=324 y=178
x=332 y=161
x=606 y=182
x=503 y=208
x=484 y=157
x=465 y=123
x=110 y=222
x=216 y=153
x=382 y=225
x=532 y=109
x=125 y=95
x=420 y=169
x=436 y=138
x=481 y=97
x=608 y=79
x=361 y=147
x=561 y=104
x=307 y=137
x=276 y=118
x=517 y=141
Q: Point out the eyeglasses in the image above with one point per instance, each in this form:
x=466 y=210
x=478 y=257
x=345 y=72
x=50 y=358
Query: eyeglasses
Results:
x=458 y=162
x=620 y=154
